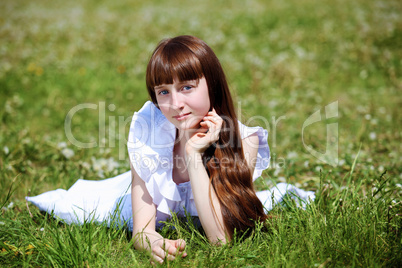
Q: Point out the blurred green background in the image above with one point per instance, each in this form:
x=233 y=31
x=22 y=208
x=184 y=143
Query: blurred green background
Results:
x=284 y=61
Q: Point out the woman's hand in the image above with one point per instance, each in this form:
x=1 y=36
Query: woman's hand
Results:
x=144 y=235
x=206 y=135
x=162 y=249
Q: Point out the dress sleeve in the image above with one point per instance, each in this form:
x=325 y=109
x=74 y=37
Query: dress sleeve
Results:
x=263 y=156
x=150 y=144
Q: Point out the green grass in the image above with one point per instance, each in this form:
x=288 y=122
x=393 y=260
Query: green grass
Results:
x=284 y=61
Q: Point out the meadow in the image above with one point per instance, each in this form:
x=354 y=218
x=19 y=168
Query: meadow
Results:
x=285 y=60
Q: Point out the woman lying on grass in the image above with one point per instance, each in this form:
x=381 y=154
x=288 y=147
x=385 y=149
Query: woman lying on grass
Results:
x=186 y=83
x=188 y=154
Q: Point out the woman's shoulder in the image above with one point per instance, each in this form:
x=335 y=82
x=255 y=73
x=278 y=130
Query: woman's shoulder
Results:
x=149 y=112
x=246 y=131
x=151 y=128
x=255 y=145
x=150 y=145
x=150 y=140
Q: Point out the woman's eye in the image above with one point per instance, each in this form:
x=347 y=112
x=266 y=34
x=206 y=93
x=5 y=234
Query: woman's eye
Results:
x=163 y=92
x=187 y=87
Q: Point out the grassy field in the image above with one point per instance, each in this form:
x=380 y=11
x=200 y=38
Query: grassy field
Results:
x=285 y=60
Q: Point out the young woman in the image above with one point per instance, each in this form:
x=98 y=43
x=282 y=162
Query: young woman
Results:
x=188 y=86
x=188 y=154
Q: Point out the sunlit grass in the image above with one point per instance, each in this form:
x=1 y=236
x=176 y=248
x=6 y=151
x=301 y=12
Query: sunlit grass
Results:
x=284 y=59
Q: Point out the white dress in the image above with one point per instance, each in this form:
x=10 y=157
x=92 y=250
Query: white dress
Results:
x=150 y=147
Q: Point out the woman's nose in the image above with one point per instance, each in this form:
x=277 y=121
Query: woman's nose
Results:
x=177 y=100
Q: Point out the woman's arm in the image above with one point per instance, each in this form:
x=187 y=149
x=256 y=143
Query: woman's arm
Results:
x=144 y=234
x=209 y=210
x=250 y=148
x=206 y=202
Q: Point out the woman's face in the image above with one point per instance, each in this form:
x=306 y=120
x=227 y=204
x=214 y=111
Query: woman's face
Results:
x=184 y=103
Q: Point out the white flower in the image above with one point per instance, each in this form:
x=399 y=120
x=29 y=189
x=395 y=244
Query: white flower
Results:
x=103 y=141
x=367 y=116
x=277 y=171
x=100 y=174
x=292 y=155
x=26 y=141
x=68 y=153
x=62 y=145
x=95 y=164
x=111 y=164
x=361 y=109
x=363 y=74
x=388 y=117
x=372 y=136
x=86 y=165
x=42 y=229
x=6 y=150
x=381 y=169
x=10 y=205
x=282 y=179
x=101 y=165
x=2 y=223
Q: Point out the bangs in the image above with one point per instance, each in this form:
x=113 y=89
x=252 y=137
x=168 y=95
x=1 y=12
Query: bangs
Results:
x=174 y=61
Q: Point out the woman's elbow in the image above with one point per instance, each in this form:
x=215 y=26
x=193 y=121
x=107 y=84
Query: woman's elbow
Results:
x=219 y=239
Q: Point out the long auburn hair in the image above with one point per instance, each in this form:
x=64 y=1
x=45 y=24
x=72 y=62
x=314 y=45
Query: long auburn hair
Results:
x=189 y=58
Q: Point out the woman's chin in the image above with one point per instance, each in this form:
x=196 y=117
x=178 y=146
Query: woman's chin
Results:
x=188 y=125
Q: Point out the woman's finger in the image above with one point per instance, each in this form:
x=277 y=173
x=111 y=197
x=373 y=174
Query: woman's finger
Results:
x=156 y=258
x=213 y=113
x=160 y=251
x=160 y=255
x=170 y=249
x=177 y=248
x=204 y=126
x=181 y=246
x=212 y=130
x=170 y=257
x=215 y=118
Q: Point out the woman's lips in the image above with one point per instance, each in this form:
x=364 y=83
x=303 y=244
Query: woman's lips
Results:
x=181 y=116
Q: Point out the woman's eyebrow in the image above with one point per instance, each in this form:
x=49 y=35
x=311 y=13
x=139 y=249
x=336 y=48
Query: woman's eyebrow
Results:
x=181 y=83
x=188 y=81
x=159 y=87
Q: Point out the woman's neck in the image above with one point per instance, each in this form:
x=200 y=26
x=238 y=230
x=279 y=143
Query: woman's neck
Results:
x=180 y=174
x=182 y=137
